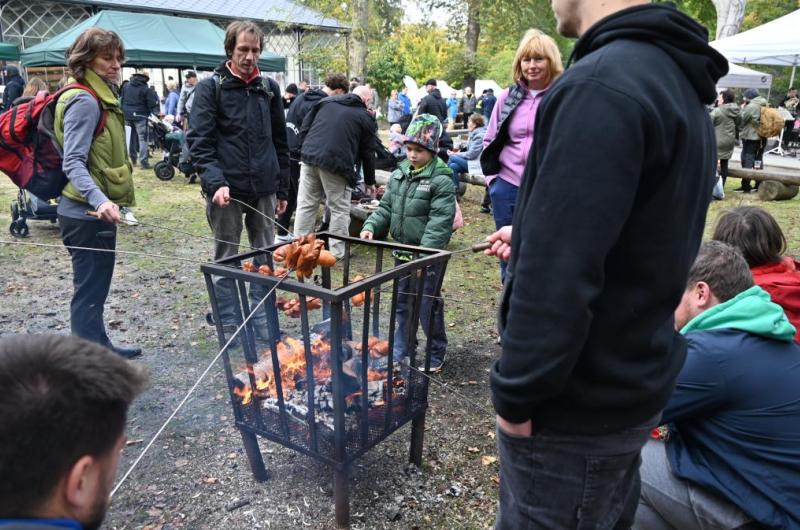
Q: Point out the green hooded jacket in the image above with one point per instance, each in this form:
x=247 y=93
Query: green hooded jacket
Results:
x=108 y=160
x=751 y=117
x=418 y=207
x=752 y=311
x=726 y=122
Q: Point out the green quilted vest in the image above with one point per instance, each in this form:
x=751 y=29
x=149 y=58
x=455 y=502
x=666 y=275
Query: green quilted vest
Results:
x=108 y=160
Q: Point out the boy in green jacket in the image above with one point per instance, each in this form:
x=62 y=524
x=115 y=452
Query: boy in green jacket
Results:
x=418 y=209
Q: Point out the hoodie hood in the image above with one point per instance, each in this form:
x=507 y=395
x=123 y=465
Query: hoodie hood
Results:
x=313 y=95
x=139 y=79
x=662 y=25
x=12 y=71
x=351 y=100
x=751 y=311
x=436 y=94
x=730 y=110
x=759 y=101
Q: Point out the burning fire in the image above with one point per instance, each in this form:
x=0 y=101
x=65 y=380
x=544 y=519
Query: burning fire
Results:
x=292 y=360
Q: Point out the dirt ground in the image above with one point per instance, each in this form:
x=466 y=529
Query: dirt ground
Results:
x=196 y=475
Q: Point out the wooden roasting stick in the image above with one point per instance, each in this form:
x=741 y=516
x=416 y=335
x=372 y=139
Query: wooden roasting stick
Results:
x=480 y=247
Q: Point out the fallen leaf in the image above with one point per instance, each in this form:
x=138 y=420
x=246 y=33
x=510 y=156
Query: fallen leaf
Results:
x=496 y=480
x=211 y=480
x=473 y=450
x=487 y=460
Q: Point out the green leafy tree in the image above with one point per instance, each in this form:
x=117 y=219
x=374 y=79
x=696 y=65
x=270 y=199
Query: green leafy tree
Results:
x=386 y=67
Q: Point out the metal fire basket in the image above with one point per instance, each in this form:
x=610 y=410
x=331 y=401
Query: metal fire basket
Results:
x=329 y=382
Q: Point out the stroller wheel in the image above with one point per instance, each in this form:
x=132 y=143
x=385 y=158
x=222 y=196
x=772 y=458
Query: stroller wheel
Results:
x=19 y=228
x=14 y=212
x=164 y=171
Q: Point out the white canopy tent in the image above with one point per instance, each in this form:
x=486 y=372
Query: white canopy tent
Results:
x=741 y=77
x=775 y=43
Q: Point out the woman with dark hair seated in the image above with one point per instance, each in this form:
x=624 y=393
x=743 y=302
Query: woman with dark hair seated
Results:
x=759 y=237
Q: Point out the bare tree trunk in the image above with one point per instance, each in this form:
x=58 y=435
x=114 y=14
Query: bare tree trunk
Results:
x=358 y=46
x=473 y=32
x=730 y=14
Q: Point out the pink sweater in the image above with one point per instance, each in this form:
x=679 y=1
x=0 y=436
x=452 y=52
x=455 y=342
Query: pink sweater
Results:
x=520 y=136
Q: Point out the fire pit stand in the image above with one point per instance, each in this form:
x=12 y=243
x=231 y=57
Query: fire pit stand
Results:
x=330 y=393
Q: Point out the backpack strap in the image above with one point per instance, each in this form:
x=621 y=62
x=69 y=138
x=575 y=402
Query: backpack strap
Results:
x=101 y=124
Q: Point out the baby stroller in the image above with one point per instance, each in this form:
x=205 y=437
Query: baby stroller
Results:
x=28 y=206
x=170 y=140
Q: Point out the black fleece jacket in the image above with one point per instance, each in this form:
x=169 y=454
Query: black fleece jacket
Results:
x=238 y=136
x=301 y=106
x=604 y=236
x=434 y=104
x=336 y=134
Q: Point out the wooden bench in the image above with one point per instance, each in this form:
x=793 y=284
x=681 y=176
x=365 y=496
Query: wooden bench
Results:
x=777 y=184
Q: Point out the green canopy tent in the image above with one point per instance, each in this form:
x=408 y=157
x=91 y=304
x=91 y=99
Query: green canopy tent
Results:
x=9 y=52
x=150 y=40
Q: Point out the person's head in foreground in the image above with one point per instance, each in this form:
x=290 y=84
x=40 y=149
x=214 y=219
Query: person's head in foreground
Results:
x=754 y=232
x=719 y=273
x=475 y=121
x=422 y=139
x=63 y=411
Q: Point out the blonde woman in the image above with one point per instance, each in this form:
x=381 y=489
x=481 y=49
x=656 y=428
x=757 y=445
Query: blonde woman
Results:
x=509 y=135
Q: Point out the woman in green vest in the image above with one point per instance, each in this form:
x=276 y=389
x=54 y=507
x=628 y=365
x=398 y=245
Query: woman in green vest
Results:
x=89 y=126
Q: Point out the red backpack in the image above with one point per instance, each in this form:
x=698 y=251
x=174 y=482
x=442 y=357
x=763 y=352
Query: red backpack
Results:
x=29 y=152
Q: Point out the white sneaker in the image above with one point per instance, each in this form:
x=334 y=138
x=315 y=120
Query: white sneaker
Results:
x=127 y=217
x=284 y=239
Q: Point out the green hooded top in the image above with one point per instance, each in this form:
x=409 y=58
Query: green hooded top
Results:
x=418 y=207
x=751 y=311
x=726 y=121
x=108 y=161
x=751 y=117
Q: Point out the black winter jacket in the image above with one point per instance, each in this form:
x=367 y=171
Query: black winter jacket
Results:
x=294 y=119
x=336 y=134
x=138 y=98
x=15 y=86
x=434 y=104
x=240 y=143
x=604 y=237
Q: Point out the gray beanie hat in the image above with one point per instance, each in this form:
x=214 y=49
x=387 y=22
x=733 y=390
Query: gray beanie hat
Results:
x=751 y=93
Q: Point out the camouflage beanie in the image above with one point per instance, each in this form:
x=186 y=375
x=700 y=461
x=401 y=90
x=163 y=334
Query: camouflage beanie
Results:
x=425 y=130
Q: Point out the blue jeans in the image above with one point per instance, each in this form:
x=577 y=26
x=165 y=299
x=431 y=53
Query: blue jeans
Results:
x=140 y=126
x=555 y=481
x=458 y=165
x=504 y=199
x=434 y=330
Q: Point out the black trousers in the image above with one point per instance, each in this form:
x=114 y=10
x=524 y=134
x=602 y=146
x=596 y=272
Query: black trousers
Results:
x=91 y=274
x=291 y=203
x=723 y=170
x=752 y=150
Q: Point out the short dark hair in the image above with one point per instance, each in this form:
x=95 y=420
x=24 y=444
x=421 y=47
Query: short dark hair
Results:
x=235 y=28
x=190 y=74
x=337 y=81
x=728 y=96
x=89 y=44
x=62 y=398
x=723 y=268
x=754 y=232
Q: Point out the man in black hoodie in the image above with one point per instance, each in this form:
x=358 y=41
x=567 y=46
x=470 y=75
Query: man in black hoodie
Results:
x=15 y=85
x=336 y=135
x=335 y=85
x=138 y=102
x=433 y=103
x=599 y=255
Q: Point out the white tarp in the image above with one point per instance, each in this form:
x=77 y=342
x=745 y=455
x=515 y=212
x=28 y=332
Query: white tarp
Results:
x=776 y=43
x=741 y=77
x=416 y=93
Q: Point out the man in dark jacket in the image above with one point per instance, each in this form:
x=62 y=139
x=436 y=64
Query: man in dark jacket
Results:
x=489 y=101
x=138 y=102
x=467 y=105
x=731 y=455
x=336 y=135
x=433 y=103
x=238 y=142
x=590 y=355
x=335 y=85
x=15 y=85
